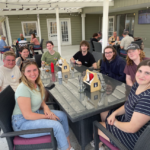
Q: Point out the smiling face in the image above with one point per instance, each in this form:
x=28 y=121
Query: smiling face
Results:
x=31 y=72
x=143 y=75
x=133 y=54
x=50 y=46
x=84 y=48
x=109 y=54
x=9 y=62
x=25 y=53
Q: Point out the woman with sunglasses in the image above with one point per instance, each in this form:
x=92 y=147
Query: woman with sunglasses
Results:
x=29 y=98
x=24 y=53
x=113 y=65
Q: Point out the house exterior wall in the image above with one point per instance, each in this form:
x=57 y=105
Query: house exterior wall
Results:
x=75 y=21
x=16 y=27
x=15 y=24
x=140 y=30
x=91 y=25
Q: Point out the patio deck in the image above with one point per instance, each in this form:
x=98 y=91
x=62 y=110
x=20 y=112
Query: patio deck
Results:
x=67 y=53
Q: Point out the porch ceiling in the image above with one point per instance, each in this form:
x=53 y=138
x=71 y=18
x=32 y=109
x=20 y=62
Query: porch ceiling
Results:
x=15 y=7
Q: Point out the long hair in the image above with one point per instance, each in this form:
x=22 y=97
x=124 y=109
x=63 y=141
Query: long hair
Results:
x=30 y=84
x=113 y=49
x=130 y=62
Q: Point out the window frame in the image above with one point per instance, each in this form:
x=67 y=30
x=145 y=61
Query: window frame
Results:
x=29 y=22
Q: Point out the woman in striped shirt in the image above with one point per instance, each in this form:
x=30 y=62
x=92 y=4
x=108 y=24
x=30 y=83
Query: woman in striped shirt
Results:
x=129 y=121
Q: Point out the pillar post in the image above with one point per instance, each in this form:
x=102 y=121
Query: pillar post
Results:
x=83 y=26
x=58 y=30
x=105 y=24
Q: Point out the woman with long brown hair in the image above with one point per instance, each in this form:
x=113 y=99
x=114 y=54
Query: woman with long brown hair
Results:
x=29 y=98
x=134 y=57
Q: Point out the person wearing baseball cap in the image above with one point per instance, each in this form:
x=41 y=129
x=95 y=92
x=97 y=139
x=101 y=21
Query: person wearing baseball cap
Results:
x=134 y=57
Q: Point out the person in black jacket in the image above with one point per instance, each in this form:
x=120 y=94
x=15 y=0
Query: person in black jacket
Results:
x=95 y=39
x=113 y=65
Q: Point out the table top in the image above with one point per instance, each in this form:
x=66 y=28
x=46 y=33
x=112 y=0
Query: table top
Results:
x=83 y=105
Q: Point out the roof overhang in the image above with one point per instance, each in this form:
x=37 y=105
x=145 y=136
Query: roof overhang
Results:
x=18 y=7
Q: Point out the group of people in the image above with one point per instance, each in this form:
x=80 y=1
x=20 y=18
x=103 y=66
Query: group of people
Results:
x=22 y=41
x=126 y=123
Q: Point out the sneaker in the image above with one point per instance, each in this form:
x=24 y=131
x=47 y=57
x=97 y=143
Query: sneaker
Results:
x=92 y=143
x=102 y=148
x=72 y=148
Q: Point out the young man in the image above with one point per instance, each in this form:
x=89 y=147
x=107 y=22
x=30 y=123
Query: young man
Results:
x=9 y=72
x=3 y=45
x=125 y=42
x=84 y=57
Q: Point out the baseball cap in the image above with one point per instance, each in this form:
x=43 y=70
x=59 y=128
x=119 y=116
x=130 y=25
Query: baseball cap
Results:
x=133 y=46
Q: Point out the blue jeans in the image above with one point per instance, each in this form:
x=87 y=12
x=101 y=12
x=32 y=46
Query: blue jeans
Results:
x=60 y=128
x=122 y=51
x=36 y=46
x=5 y=50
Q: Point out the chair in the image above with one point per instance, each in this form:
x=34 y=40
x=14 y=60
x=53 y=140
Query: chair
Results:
x=91 y=44
x=41 y=46
x=7 y=103
x=1 y=54
x=97 y=46
x=142 y=142
x=38 y=59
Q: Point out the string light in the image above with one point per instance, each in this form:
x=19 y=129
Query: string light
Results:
x=6 y=4
x=50 y=4
x=37 y=6
x=22 y=6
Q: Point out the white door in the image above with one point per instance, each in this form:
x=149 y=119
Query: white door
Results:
x=65 y=30
x=111 y=21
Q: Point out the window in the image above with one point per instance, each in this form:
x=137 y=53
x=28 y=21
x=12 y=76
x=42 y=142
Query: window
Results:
x=28 y=28
x=125 y=21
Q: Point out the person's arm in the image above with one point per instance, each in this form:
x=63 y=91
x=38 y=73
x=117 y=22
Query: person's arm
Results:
x=138 y=120
x=18 y=62
x=25 y=107
x=72 y=60
x=118 y=38
x=94 y=65
x=120 y=75
x=102 y=68
x=112 y=118
x=128 y=80
x=43 y=59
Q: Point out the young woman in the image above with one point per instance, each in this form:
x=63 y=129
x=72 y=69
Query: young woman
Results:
x=26 y=114
x=35 y=41
x=134 y=57
x=113 y=65
x=83 y=56
x=129 y=121
x=24 y=52
x=50 y=55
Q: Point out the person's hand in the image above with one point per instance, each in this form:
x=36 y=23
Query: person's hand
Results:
x=111 y=119
x=79 y=62
x=49 y=114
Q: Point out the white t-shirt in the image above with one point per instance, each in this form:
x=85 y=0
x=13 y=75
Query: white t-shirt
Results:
x=9 y=77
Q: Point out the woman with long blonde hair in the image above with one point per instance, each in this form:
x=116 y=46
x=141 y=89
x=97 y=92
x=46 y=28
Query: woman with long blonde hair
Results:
x=29 y=98
x=134 y=57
